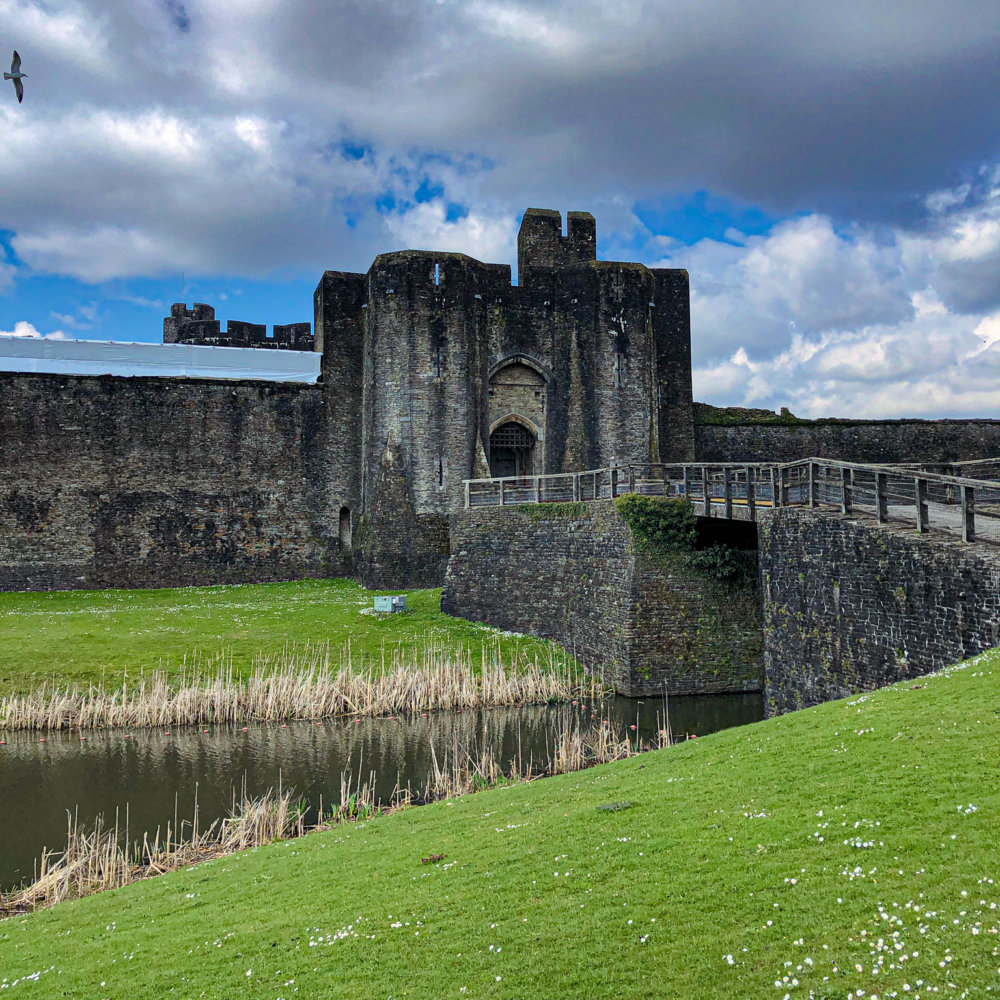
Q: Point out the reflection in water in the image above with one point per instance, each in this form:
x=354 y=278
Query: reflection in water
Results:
x=149 y=777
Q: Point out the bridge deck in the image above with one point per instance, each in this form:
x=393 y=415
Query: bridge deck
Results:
x=929 y=498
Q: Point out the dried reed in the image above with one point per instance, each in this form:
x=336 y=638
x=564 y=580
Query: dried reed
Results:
x=98 y=859
x=305 y=683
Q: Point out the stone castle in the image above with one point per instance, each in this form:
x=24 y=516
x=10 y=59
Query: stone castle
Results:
x=445 y=371
x=435 y=369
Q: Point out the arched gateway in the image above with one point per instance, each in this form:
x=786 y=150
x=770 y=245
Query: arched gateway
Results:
x=518 y=387
x=512 y=450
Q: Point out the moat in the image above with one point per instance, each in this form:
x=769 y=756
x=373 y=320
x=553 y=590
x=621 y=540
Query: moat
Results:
x=149 y=777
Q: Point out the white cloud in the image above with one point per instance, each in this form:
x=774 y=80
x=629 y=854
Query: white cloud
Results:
x=426 y=227
x=154 y=141
x=22 y=328
x=859 y=323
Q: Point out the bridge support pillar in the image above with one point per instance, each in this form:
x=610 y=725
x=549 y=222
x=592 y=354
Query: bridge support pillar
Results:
x=968 y=514
x=881 y=500
x=920 y=498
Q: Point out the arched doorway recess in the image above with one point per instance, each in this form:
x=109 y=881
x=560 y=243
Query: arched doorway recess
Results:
x=512 y=450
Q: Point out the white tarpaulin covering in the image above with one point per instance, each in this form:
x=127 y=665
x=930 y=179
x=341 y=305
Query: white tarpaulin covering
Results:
x=103 y=357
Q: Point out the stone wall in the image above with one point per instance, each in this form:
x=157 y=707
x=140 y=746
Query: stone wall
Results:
x=570 y=573
x=129 y=482
x=863 y=441
x=849 y=606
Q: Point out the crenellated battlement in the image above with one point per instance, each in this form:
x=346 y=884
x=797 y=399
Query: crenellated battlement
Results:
x=198 y=325
x=540 y=242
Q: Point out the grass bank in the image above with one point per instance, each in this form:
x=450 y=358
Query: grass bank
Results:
x=88 y=636
x=846 y=851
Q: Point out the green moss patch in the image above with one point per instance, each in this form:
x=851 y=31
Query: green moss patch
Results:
x=554 y=511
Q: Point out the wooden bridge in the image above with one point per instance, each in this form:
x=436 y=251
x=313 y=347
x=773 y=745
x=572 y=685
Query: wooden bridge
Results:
x=961 y=498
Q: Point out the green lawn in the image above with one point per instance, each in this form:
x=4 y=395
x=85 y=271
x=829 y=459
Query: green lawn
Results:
x=87 y=635
x=853 y=847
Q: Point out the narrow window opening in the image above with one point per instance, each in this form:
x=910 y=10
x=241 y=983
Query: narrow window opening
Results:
x=345 y=529
x=618 y=371
x=440 y=473
x=436 y=363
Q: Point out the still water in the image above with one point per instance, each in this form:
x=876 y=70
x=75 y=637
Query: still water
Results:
x=151 y=776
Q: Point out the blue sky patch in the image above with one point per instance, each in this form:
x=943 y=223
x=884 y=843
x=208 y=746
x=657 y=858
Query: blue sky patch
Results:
x=178 y=15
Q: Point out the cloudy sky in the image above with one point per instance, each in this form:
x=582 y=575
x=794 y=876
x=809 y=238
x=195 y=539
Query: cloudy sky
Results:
x=829 y=173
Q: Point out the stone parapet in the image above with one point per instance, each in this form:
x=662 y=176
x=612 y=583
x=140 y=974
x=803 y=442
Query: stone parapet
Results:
x=569 y=572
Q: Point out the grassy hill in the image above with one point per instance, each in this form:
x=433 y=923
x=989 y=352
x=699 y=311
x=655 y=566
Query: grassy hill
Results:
x=85 y=636
x=852 y=850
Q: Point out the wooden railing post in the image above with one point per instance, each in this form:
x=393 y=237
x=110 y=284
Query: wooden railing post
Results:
x=614 y=482
x=467 y=504
x=727 y=493
x=684 y=479
x=845 y=490
x=751 y=496
x=775 y=495
x=704 y=491
x=538 y=489
x=631 y=479
x=881 y=500
x=813 y=469
x=920 y=498
x=968 y=514
x=576 y=486
x=501 y=493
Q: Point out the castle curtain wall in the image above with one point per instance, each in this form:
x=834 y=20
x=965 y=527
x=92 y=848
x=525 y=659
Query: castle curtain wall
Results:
x=152 y=482
x=120 y=482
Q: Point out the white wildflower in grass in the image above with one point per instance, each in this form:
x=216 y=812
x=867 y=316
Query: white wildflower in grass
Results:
x=729 y=959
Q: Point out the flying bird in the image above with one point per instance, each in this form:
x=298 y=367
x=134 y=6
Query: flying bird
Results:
x=17 y=76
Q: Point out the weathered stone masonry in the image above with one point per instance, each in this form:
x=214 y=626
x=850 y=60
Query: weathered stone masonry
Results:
x=573 y=576
x=589 y=359
x=118 y=482
x=850 y=606
x=863 y=441
x=155 y=481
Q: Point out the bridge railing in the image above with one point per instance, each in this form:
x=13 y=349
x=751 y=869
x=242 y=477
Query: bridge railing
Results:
x=987 y=469
x=926 y=500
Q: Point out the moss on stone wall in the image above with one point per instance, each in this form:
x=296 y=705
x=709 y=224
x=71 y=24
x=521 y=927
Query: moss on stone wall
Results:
x=706 y=415
x=664 y=532
x=553 y=511
x=574 y=572
x=659 y=525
